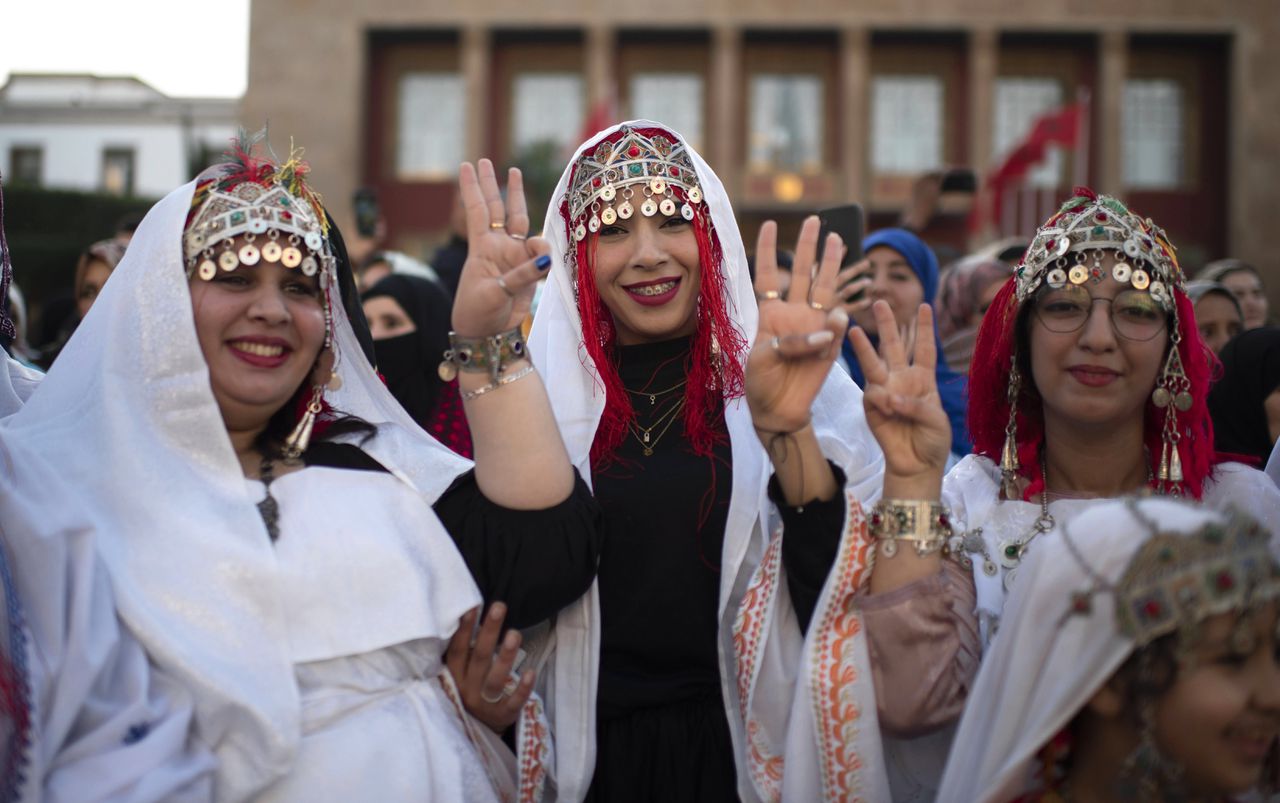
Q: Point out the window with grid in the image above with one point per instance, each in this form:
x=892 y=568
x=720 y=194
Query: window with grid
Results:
x=546 y=107
x=26 y=165
x=1153 y=127
x=430 y=124
x=906 y=123
x=674 y=99
x=786 y=123
x=1019 y=102
x=117 y=171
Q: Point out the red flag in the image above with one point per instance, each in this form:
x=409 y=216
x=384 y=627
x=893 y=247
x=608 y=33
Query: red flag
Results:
x=1058 y=127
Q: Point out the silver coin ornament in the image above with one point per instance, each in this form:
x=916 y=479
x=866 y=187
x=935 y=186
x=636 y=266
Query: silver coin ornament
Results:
x=249 y=254
x=1079 y=274
x=228 y=260
x=1140 y=279
x=648 y=208
x=208 y=270
x=657 y=185
x=608 y=217
x=257 y=225
x=1062 y=246
x=593 y=225
x=309 y=266
x=626 y=210
x=580 y=233
x=1132 y=249
x=694 y=195
x=291 y=257
x=271 y=251
x=1121 y=272
x=667 y=207
x=686 y=211
x=608 y=193
x=313 y=240
x=1057 y=278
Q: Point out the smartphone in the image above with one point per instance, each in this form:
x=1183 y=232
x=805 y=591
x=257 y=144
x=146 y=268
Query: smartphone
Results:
x=847 y=221
x=366 y=205
x=959 y=179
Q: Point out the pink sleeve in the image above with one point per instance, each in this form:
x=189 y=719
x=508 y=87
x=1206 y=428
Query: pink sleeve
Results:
x=924 y=648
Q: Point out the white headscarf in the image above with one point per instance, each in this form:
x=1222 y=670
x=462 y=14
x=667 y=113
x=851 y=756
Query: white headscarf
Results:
x=1046 y=663
x=127 y=416
x=577 y=400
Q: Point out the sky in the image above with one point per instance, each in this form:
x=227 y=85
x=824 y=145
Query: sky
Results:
x=148 y=39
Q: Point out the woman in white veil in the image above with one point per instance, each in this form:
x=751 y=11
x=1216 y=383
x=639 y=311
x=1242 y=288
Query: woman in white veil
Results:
x=688 y=671
x=302 y=585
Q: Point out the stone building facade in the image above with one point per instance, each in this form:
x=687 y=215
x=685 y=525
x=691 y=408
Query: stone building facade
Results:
x=797 y=105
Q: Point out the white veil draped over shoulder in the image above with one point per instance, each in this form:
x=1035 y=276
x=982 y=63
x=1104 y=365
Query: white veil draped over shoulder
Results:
x=127 y=417
x=776 y=662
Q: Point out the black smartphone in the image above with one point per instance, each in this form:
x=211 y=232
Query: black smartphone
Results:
x=366 y=204
x=847 y=221
x=959 y=179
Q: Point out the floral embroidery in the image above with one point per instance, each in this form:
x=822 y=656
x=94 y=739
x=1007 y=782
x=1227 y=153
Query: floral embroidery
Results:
x=535 y=751
x=15 y=693
x=756 y=608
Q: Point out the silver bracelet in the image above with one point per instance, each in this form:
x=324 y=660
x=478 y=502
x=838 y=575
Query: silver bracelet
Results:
x=924 y=523
x=468 y=395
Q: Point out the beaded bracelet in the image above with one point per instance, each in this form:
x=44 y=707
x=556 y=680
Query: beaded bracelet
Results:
x=489 y=354
x=925 y=524
x=468 y=395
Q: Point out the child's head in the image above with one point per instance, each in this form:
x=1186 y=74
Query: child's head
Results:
x=1144 y=640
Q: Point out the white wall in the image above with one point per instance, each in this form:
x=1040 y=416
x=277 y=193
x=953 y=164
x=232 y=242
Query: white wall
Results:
x=73 y=152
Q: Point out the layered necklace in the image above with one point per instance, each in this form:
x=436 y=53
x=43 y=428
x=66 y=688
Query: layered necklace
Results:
x=1009 y=552
x=645 y=435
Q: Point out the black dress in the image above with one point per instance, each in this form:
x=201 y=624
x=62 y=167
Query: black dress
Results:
x=662 y=733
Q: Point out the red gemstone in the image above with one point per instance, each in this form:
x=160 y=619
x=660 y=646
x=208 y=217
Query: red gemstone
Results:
x=1152 y=609
x=675 y=171
x=942 y=520
x=1049 y=243
x=1101 y=217
x=1081 y=603
x=1226 y=582
x=595 y=182
x=633 y=151
x=876 y=519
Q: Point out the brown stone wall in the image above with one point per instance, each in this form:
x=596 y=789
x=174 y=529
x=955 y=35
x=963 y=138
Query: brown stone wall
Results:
x=308 y=72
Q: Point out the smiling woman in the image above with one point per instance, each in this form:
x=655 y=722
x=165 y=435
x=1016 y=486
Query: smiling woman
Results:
x=284 y=540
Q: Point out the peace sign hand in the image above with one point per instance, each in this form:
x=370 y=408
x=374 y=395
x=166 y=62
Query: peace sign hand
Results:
x=799 y=336
x=503 y=264
x=901 y=397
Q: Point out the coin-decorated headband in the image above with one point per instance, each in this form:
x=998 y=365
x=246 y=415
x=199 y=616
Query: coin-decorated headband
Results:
x=270 y=207
x=654 y=172
x=1086 y=226
x=1174 y=582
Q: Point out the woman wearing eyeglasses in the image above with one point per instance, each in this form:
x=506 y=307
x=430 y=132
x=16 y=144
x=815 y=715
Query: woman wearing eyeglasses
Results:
x=1089 y=381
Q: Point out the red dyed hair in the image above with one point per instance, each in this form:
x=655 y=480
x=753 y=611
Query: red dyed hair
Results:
x=712 y=377
x=1004 y=328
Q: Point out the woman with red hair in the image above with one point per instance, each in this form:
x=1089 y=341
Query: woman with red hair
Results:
x=678 y=676
x=1089 y=381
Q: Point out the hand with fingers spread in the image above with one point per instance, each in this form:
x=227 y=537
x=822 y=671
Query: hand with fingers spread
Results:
x=799 y=335
x=503 y=263
x=489 y=691
x=901 y=398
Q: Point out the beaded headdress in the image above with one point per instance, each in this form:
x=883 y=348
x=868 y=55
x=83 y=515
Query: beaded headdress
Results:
x=653 y=171
x=1174 y=582
x=269 y=206
x=1068 y=249
x=251 y=197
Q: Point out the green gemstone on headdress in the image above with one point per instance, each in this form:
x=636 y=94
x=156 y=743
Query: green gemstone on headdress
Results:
x=285 y=200
x=237 y=218
x=1099 y=230
x=634 y=169
x=1011 y=551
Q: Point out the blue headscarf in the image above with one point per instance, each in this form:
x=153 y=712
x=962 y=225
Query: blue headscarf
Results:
x=952 y=387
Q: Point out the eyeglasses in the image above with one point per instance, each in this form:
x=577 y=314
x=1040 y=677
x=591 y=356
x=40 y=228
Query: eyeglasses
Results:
x=1135 y=315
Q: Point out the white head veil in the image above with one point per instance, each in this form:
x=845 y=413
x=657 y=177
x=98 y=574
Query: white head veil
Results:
x=577 y=399
x=127 y=416
x=1046 y=662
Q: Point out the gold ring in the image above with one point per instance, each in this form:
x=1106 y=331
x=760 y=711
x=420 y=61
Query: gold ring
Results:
x=768 y=295
x=775 y=342
x=818 y=306
x=498 y=224
x=502 y=282
x=502 y=695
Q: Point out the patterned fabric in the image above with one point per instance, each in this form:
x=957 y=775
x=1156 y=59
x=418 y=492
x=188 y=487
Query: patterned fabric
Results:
x=15 y=690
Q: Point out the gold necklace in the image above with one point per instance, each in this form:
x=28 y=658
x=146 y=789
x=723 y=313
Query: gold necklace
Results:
x=644 y=435
x=653 y=396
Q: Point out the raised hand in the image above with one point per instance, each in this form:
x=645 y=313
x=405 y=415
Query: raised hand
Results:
x=799 y=334
x=484 y=677
x=852 y=284
x=901 y=397
x=503 y=263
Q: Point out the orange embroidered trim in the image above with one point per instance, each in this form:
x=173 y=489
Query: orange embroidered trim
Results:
x=764 y=768
x=468 y=727
x=534 y=751
x=836 y=711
